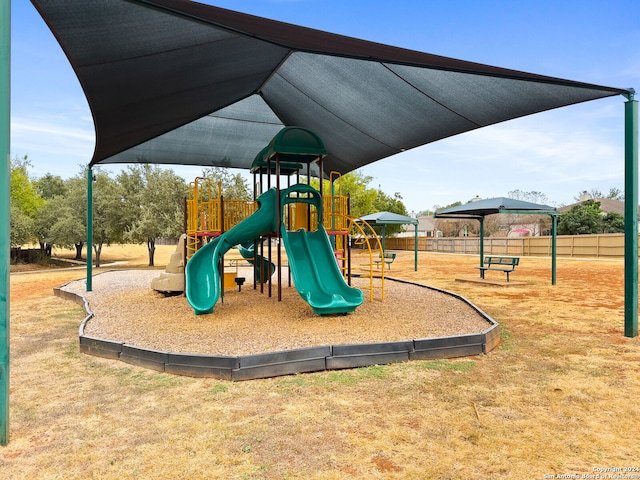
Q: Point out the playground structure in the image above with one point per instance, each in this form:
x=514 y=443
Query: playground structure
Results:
x=315 y=230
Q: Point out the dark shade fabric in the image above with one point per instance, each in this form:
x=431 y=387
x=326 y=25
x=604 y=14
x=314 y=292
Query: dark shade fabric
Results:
x=178 y=82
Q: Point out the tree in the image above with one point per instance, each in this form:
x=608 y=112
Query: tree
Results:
x=153 y=200
x=385 y=203
x=21 y=227
x=108 y=212
x=50 y=186
x=58 y=224
x=52 y=189
x=22 y=192
x=355 y=185
x=25 y=202
x=583 y=218
x=425 y=213
x=234 y=186
x=613 y=223
x=73 y=221
x=532 y=196
x=364 y=200
x=614 y=194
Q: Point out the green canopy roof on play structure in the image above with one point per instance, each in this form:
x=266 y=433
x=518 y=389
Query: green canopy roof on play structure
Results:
x=293 y=147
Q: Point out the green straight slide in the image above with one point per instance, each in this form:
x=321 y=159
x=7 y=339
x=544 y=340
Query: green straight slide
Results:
x=313 y=265
x=202 y=282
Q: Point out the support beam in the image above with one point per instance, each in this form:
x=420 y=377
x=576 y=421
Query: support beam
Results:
x=481 y=244
x=415 y=249
x=631 y=217
x=89 y=229
x=554 y=247
x=5 y=219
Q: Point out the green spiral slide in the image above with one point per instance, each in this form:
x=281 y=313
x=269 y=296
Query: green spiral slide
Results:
x=202 y=282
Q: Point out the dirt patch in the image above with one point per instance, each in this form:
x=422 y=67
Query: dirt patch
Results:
x=547 y=402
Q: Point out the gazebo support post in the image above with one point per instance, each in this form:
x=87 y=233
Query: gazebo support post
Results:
x=554 y=227
x=631 y=218
x=415 y=249
x=384 y=232
x=481 y=244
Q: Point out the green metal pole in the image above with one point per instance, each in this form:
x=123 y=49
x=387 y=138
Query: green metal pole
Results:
x=415 y=251
x=481 y=244
x=631 y=217
x=89 y=229
x=554 y=224
x=5 y=220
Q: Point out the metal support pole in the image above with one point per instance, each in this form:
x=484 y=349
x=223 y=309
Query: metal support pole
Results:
x=554 y=226
x=89 y=286
x=279 y=227
x=415 y=250
x=5 y=219
x=384 y=233
x=631 y=217
x=481 y=245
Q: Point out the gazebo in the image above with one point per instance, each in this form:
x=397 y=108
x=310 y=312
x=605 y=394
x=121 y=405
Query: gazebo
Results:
x=390 y=218
x=480 y=209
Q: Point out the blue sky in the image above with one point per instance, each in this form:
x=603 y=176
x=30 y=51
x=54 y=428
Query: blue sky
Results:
x=558 y=153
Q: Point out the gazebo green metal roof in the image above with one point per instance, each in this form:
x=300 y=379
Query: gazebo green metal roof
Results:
x=388 y=218
x=490 y=206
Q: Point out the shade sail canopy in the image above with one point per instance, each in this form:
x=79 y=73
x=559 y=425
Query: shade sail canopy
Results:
x=179 y=82
x=388 y=218
x=490 y=206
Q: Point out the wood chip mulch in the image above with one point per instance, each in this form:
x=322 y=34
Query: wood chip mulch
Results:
x=126 y=309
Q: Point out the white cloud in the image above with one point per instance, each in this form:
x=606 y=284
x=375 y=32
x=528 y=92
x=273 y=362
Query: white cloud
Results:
x=51 y=148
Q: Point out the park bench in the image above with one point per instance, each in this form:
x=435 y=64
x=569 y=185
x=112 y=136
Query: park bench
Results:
x=502 y=264
x=388 y=259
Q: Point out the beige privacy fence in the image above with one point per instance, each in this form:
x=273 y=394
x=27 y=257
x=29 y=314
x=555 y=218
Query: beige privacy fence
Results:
x=605 y=246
